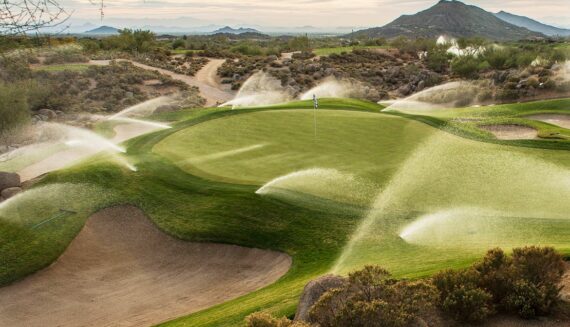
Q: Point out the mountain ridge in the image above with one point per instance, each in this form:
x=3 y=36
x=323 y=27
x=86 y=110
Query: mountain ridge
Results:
x=453 y=18
x=532 y=24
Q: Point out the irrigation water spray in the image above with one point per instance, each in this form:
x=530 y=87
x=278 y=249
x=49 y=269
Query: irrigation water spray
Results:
x=321 y=182
x=448 y=195
x=260 y=89
x=445 y=96
x=143 y=109
x=331 y=88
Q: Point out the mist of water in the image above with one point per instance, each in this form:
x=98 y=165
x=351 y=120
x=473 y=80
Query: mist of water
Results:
x=321 y=182
x=23 y=208
x=259 y=90
x=450 y=95
x=456 y=196
x=143 y=109
x=224 y=154
x=331 y=88
x=149 y=123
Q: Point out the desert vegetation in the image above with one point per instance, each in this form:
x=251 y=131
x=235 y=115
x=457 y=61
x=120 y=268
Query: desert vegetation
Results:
x=525 y=283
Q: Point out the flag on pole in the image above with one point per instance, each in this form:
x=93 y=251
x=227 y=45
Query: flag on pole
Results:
x=315 y=101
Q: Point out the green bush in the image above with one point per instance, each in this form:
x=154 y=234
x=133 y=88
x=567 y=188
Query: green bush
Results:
x=14 y=110
x=371 y=298
x=465 y=66
x=438 y=59
x=525 y=283
x=262 y=319
x=460 y=296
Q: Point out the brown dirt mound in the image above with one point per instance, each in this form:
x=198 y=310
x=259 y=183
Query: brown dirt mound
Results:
x=511 y=132
x=122 y=271
x=554 y=119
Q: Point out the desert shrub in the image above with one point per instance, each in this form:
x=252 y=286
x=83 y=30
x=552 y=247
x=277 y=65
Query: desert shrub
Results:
x=135 y=41
x=13 y=106
x=465 y=66
x=14 y=68
x=537 y=272
x=460 y=296
x=66 y=54
x=495 y=274
x=299 y=43
x=525 y=283
x=262 y=319
x=498 y=58
x=438 y=59
x=247 y=49
x=372 y=298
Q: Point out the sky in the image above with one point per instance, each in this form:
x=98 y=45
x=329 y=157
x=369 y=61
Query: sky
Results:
x=267 y=13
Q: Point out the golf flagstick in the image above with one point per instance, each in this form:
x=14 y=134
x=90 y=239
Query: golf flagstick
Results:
x=315 y=107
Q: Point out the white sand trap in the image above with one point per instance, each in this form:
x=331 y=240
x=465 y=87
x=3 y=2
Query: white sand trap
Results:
x=511 y=132
x=122 y=271
x=554 y=119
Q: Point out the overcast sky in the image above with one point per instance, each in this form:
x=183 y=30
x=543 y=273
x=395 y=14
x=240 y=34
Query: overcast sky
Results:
x=320 y=13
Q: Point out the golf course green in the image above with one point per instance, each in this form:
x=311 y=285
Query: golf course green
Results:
x=337 y=188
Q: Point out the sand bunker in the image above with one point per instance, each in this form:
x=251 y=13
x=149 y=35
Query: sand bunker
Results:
x=122 y=271
x=554 y=119
x=511 y=132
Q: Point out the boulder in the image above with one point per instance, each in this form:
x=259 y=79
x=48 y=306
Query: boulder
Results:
x=313 y=291
x=8 y=180
x=421 y=86
x=10 y=192
x=50 y=114
x=405 y=89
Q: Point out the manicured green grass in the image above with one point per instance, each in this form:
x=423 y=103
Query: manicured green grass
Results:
x=339 y=50
x=466 y=121
x=415 y=169
x=63 y=67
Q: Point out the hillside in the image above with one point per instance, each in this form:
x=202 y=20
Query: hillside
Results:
x=103 y=30
x=452 y=18
x=532 y=24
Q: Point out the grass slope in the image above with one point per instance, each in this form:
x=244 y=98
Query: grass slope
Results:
x=206 y=207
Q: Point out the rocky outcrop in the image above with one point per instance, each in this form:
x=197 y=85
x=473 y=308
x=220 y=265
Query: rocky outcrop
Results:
x=10 y=185
x=8 y=180
x=10 y=192
x=313 y=291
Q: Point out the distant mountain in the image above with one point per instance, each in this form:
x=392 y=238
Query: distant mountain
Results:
x=229 y=30
x=532 y=24
x=453 y=18
x=244 y=36
x=103 y=30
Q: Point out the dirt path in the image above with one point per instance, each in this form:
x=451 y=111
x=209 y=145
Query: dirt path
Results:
x=511 y=132
x=205 y=80
x=554 y=119
x=122 y=271
x=209 y=74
